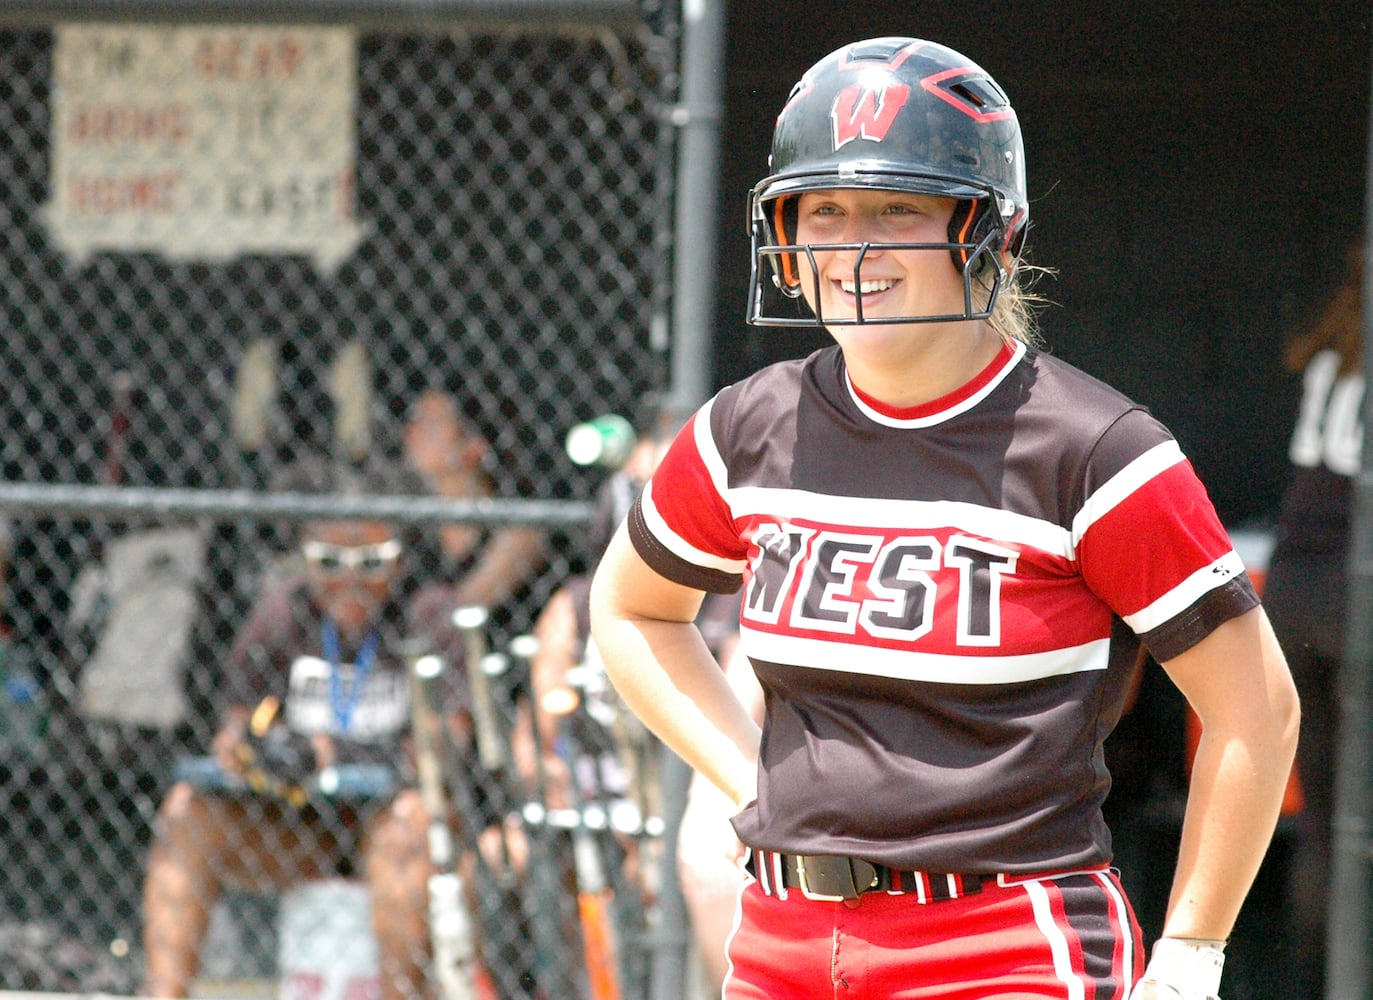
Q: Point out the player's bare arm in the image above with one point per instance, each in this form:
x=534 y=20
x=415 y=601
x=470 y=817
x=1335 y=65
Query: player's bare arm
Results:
x=657 y=660
x=1249 y=737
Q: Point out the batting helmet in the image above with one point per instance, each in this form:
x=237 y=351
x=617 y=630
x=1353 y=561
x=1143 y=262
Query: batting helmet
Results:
x=898 y=114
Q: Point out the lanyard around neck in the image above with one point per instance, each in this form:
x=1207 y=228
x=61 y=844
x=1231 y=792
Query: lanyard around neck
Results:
x=344 y=703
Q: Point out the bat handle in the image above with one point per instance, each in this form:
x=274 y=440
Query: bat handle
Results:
x=120 y=418
x=471 y=622
x=426 y=673
x=524 y=648
x=453 y=937
x=450 y=924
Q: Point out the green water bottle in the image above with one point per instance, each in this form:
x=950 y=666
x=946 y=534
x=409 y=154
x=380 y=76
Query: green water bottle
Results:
x=606 y=440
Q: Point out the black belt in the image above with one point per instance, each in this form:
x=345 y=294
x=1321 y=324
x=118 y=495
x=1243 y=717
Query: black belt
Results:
x=830 y=877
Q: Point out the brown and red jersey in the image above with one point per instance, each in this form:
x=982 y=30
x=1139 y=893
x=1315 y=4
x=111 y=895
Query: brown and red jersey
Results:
x=941 y=603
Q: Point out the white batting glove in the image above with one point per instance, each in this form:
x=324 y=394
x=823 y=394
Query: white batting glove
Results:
x=1182 y=969
x=706 y=843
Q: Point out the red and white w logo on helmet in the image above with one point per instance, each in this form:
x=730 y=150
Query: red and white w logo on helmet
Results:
x=861 y=112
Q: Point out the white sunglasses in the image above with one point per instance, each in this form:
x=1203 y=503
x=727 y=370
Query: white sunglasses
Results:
x=369 y=559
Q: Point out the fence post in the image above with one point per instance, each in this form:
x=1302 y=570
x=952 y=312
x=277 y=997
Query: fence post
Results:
x=1350 y=929
x=698 y=116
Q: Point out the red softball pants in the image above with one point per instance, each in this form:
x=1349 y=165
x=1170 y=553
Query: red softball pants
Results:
x=1071 y=936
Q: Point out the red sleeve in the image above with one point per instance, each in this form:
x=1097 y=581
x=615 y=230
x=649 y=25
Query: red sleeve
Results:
x=1150 y=544
x=681 y=524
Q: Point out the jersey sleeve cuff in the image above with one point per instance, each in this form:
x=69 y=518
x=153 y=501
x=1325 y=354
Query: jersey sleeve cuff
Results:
x=672 y=566
x=1213 y=609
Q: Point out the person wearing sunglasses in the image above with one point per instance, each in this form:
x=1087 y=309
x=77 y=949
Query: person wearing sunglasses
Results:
x=316 y=677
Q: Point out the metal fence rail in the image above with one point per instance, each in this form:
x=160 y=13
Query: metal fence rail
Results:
x=388 y=14
x=281 y=505
x=237 y=238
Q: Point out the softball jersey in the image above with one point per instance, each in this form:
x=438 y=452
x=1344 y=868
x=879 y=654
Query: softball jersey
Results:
x=942 y=603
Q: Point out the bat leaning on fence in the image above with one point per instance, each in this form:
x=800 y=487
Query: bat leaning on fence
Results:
x=112 y=473
x=492 y=745
x=506 y=910
x=596 y=902
x=451 y=923
x=252 y=410
x=593 y=916
x=471 y=623
x=121 y=417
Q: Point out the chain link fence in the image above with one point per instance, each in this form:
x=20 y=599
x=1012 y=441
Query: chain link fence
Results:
x=232 y=252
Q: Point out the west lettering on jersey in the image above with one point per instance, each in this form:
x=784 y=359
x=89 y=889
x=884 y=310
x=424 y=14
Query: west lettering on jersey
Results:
x=981 y=565
x=902 y=605
x=779 y=554
x=887 y=585
x=829 y=598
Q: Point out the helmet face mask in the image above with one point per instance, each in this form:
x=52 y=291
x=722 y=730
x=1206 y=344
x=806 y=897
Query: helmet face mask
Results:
x=893 y=114
x=981 y=283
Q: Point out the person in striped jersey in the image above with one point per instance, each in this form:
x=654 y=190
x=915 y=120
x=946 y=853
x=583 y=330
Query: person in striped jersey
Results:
x=953 y=550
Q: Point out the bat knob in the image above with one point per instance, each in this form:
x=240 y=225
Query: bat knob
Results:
x=560 y=701
x=428 y=667
x=470 y=616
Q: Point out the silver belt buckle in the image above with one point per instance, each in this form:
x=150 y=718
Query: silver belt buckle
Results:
x=818 y=897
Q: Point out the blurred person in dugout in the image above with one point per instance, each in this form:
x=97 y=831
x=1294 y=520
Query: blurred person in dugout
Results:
x=1305 y=590
x=709 y=854
x=316 y=677
x=487 y=566
x=562 y=629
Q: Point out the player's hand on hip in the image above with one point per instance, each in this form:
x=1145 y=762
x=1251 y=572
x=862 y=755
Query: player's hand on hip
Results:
x=1182 y=969
x=1148 y=989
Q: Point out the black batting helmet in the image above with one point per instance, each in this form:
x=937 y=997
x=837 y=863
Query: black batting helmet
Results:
x=898 y=114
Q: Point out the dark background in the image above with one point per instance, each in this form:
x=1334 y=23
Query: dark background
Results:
x=1196 y=174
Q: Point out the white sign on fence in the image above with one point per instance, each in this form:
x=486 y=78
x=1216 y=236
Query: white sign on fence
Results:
x=205 y=142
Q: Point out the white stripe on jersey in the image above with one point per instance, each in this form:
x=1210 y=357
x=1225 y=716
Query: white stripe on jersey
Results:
x=907 y=515
x=1119 y=487
x=678 y=545
x=705 y=447
x=1187 y=593
x=904 y=664
x=962 y=406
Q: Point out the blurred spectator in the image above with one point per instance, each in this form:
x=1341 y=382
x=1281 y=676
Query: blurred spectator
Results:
x=316 y=677
x=1305 y=591
x=563 y=626
x=486 y=565
x=709 y=854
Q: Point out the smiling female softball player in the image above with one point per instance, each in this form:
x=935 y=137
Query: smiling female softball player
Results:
x=952 y=547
